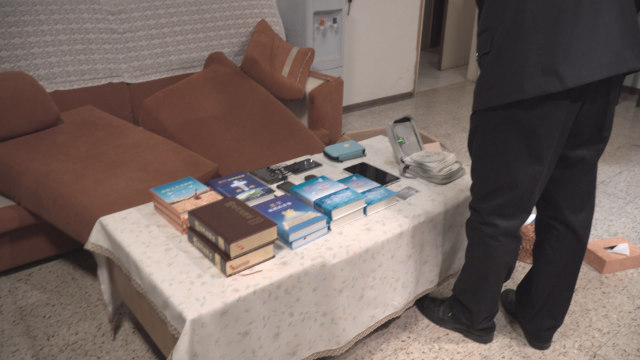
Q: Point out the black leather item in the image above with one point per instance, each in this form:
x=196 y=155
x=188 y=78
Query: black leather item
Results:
x=440 y=313
x=508 y=301
x=540 y=152
x=528 y=48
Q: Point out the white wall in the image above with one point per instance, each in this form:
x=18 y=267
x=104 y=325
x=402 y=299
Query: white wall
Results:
x=380 y=49
x=633 y=80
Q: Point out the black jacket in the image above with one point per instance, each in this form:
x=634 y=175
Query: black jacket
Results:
x=528 y=48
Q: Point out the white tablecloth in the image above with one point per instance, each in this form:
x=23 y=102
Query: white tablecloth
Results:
x=304 y=303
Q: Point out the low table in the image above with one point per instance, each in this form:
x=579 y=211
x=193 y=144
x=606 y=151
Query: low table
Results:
x=314 y=301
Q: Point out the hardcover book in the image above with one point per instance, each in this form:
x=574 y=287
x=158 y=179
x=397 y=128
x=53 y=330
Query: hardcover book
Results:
x=294 y=218
x=243 y=186
x=223 y=262
x=233 y=226
x=329 y=196
x=377 y=197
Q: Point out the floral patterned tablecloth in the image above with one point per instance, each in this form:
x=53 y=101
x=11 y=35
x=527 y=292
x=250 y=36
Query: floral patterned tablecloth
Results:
x=314 y=301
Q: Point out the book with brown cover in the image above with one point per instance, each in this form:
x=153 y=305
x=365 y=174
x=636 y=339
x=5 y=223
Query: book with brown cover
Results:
x=223 y=262
x=180 y=208
x=181 y=196
x=179 y=223
x=233 y=226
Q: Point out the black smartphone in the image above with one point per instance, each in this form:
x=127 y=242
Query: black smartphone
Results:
x=373 y=173
x=285 y=186
x=302 y=166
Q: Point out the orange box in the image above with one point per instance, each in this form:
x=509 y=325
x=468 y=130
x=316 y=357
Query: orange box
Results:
x=606 y=262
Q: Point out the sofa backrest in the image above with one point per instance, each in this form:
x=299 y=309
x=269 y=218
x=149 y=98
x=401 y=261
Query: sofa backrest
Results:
x=229 y=119
x=120 y=99
x=112 y=98
x=81 y=43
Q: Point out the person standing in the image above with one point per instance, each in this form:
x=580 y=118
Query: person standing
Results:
x=550 y=76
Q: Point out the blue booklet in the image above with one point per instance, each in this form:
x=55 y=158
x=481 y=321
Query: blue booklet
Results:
x=244 y=186
x=329 y=196
x=294 y=218
x=294 y=244
x=377 y=197
x=179 y=190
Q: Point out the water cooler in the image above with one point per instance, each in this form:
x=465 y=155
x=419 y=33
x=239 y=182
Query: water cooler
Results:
x=318 y=24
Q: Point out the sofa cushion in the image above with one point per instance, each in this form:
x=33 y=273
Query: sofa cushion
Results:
x=92 y=165
x=25 y=106
x=275 y=64
x=229 y=119
x=14 y=217
x=142 y=90
x=112 y=98
x=31 y=243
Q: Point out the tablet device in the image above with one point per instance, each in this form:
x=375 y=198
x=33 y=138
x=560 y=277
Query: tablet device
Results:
x=373 y=173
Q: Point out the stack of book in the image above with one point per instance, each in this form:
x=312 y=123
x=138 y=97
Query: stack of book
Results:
x=336 y=200
x=175 y=199
x=376 y=196
x=298 y=223
x=232 y=235
x=243 y=186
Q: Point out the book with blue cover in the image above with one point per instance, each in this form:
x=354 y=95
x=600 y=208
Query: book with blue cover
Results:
x=377 y=197
x=294 y=218
x=304 y=240
x=243 y=186
x=329 y=196
x=179 y=190
x=174 y=200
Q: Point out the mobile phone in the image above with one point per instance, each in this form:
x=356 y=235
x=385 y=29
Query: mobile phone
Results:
x=270 y=175
x=285 y=186
x=373 y=173
x=302 y=166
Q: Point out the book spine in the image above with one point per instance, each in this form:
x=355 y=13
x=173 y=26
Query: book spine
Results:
x=209 y=234
x=205 y=248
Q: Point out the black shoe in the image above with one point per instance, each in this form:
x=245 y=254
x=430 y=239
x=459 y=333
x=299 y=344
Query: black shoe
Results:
x=508 y=301
x=439 y=312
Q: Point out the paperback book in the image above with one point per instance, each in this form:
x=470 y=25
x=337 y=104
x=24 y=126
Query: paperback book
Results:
x=223 y=262
x=294 y=219
x=346 y=218
x=294 y=244
x=334 y=199
x=377 y=197
x=243 y=186
x=178 y=197
x=178 y=223
x=233 y=226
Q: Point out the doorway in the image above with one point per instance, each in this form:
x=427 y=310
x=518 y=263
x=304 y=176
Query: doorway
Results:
x=447 y=31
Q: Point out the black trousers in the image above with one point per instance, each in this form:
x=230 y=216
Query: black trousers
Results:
x=540 y=152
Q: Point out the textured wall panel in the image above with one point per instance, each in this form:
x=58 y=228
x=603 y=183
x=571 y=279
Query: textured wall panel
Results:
x=74 y=43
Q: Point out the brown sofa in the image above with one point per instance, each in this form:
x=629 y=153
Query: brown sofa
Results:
x=96 y=150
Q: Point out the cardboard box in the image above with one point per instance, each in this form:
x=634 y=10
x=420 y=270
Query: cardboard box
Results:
x=605 y=262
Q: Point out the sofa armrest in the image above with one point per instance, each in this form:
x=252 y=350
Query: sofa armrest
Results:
x=321 y=108
x=25 y=106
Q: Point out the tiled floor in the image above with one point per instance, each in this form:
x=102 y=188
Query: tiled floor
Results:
x=54 y=309
x=429 y=77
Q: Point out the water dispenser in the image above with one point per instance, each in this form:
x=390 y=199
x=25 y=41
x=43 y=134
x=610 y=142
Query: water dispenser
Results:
x=318 y=24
